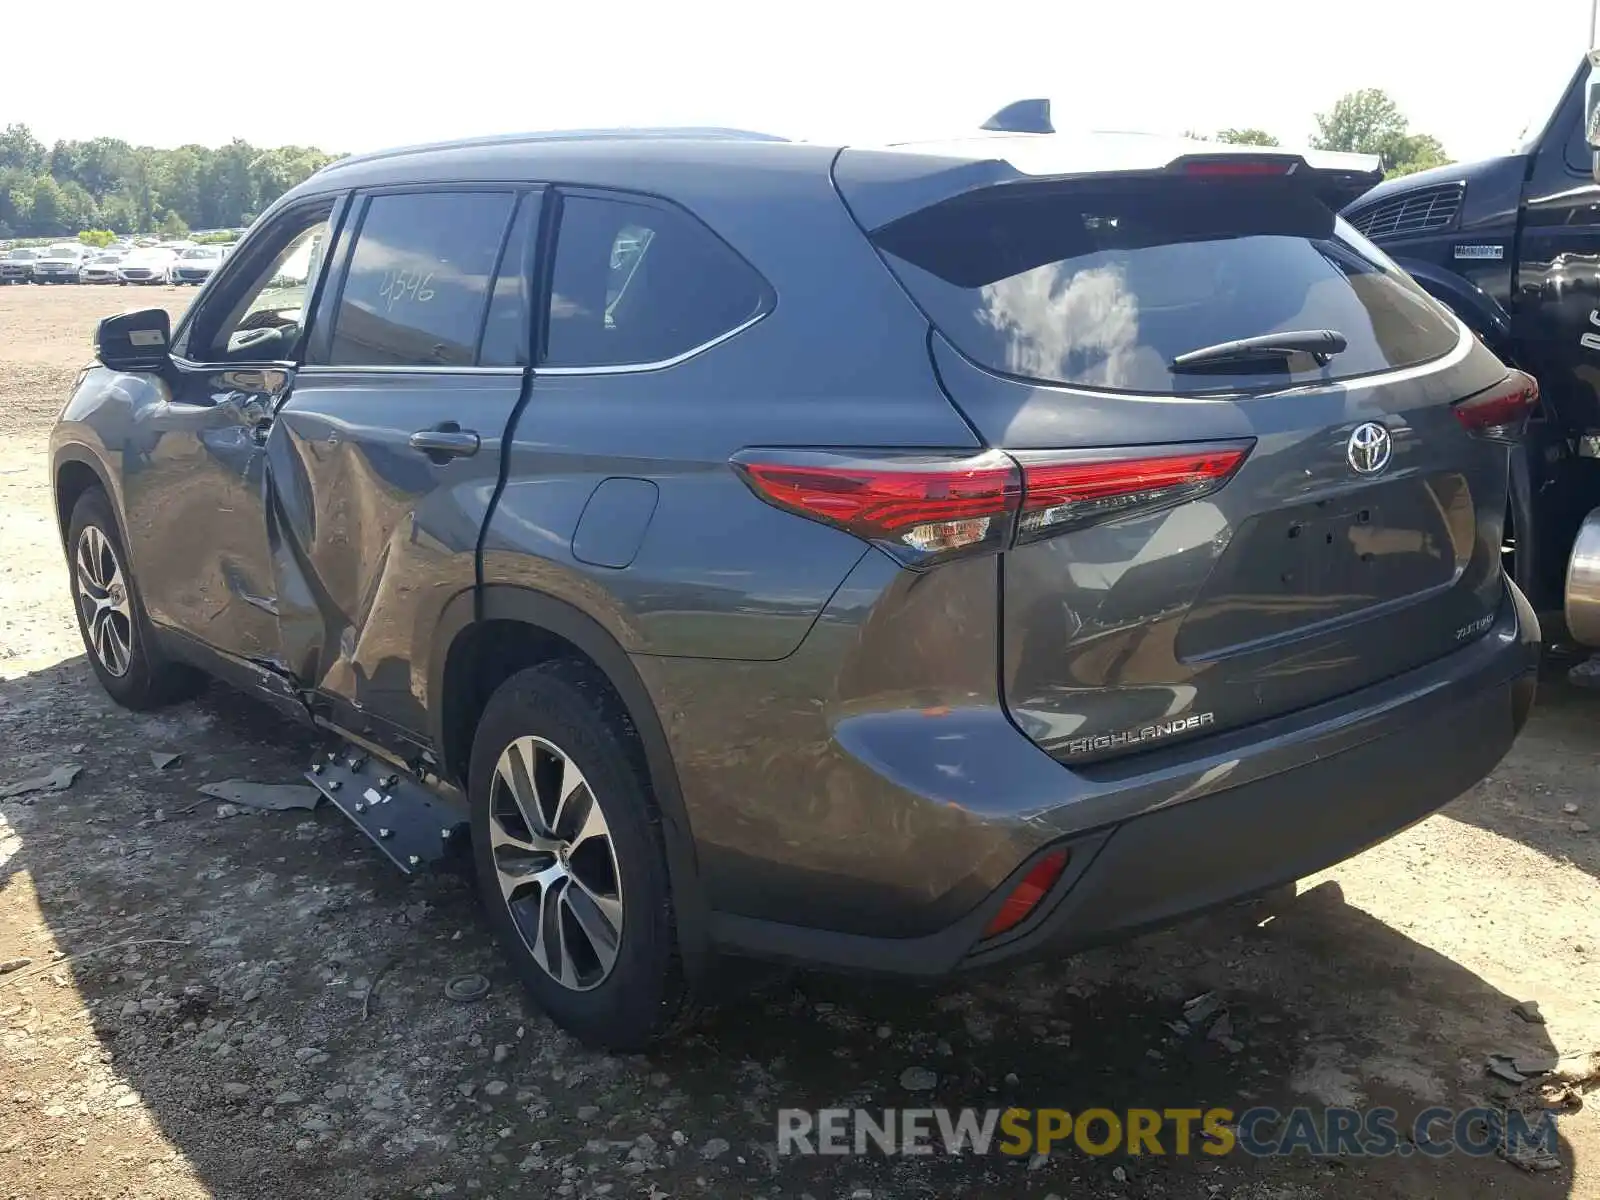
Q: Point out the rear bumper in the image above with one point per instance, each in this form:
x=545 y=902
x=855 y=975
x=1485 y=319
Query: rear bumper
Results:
x=1171 y=833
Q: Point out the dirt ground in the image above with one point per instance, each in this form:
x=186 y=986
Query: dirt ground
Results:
x=271 y=1020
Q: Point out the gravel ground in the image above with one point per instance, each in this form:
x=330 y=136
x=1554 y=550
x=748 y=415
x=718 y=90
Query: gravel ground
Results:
x=251 y=1005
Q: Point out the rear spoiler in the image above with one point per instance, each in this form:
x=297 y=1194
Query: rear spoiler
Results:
x=884 y=183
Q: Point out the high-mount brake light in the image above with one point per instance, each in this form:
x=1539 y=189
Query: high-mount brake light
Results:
x=922 y=507
x=1499 y=413
x=1237 y=167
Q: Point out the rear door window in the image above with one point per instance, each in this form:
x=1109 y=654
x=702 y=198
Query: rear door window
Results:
x=638 y=284
x=417 y=289
x=1103 y=285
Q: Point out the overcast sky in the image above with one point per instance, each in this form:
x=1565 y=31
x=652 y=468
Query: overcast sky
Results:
x=353 y=76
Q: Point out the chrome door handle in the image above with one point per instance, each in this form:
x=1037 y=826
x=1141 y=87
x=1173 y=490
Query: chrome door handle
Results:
x=446 y=442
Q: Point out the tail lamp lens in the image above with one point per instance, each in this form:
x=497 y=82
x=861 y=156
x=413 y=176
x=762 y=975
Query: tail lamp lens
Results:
x=1025 y=897
x=1067 y=492
x=917 y=506
x=1500 y=413
x=920 y=507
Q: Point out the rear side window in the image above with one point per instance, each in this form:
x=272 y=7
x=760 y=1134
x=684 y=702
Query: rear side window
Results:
x=636 y=284
x=1104 y=285
x=418 y=284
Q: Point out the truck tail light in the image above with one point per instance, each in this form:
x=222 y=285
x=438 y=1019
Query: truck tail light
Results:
x=1501 y=412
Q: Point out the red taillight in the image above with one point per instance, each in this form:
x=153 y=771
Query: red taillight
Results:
x=922 y=506
x=1231 y=167
x=1025 y=897
x=917 y=504
x=1062 y=492
x=1500 y=412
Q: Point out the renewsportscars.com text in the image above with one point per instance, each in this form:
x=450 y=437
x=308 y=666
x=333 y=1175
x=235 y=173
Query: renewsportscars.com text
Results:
x=1259 y=1132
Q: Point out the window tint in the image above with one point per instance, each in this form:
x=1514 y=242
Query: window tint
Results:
x=418 y=282
x=634 y=283
x=505 y=333
x=1104 y=285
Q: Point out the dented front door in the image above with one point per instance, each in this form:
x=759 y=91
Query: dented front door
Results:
x=384 y=459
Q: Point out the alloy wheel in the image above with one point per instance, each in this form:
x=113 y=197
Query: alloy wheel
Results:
x=555 y=863
x=103 y=600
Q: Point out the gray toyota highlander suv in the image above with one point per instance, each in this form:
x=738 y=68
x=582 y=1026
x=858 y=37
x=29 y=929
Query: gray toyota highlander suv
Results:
x=905 y=558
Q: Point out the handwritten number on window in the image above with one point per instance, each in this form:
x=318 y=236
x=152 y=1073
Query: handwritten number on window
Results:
x=403 y=287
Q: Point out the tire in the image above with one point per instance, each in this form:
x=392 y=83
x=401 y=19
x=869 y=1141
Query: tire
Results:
x=560 y=716
x=119 y=646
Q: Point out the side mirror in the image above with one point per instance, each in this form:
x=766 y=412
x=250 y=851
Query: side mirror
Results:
x=134 y=341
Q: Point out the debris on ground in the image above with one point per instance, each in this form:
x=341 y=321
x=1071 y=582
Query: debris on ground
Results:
x=464 y=989
x=162 y=759
x=1528 y=1010
x=1503 y=1066
x=919 y=1079
x=1529 y=1155
x=275 y=797
x=1200 y=1009
x=366 y=999
x=1581 y=1070
x=14 y=964
x=58 y=780
x=1569 y=808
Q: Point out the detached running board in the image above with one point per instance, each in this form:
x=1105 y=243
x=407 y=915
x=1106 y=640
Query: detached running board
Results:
x=404 y=819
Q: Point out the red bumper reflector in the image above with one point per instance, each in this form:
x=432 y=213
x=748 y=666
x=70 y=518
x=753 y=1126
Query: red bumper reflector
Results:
x=1025 y=897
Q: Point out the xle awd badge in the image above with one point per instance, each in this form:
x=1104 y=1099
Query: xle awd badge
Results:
x=1369 y=448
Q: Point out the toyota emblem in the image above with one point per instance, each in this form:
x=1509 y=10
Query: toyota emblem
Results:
x=1369 y=448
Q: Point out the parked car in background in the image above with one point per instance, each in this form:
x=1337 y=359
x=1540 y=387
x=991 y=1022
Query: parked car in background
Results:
x=1509 y=245
x=17 y=265
x=147 y=265
x=911 y=558
x=60 y=263
x=102 y=268
x=194 y=265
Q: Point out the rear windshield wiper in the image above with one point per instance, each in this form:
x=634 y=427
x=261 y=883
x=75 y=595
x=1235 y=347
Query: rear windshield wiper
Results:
x=1320 y=344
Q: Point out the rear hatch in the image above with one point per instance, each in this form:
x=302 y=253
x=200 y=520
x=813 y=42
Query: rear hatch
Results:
x=1210 y=542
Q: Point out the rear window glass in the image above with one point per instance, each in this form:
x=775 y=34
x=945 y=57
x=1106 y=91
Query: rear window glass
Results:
x=1104 y=286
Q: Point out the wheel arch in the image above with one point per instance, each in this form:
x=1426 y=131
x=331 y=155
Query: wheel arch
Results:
x=73 y=473
x=486 y=634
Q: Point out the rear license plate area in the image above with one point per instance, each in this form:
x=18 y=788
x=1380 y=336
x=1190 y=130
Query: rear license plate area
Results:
x=1300 y=567
x=1331 y=554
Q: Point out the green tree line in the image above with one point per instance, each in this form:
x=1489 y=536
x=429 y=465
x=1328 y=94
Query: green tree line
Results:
x=105 y=183
x=1366 y=121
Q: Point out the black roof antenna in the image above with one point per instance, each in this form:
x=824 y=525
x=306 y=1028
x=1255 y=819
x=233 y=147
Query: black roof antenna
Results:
x=1022 y=116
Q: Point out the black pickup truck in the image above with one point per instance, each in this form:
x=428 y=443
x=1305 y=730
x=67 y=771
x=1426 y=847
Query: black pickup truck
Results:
x=1512 y=245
